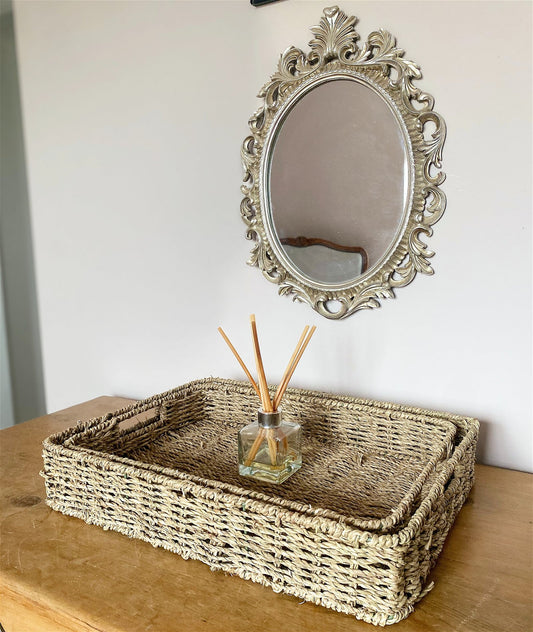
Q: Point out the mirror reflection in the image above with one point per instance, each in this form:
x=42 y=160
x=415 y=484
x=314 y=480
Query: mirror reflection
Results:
x=338 y=180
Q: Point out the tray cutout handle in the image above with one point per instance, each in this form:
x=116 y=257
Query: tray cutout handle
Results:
x=104 y=432
x=130 y=423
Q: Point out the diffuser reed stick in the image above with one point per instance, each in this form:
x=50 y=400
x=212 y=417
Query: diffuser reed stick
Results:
x=277 y=396
x=255 y=447
x=263 y=387
x=239 y=360
x=285 y=383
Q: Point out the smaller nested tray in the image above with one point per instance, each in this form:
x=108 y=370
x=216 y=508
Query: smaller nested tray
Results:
x=356 y=529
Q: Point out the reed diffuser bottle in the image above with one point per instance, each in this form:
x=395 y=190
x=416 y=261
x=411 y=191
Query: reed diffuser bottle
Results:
x=270 y=449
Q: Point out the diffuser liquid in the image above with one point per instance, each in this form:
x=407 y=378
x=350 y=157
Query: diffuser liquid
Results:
x=270 y=454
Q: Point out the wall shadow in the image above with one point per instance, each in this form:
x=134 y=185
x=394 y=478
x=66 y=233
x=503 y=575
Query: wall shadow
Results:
x=16 y=244
x=481 y=448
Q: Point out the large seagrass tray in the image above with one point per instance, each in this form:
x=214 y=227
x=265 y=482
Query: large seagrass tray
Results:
x=357 y=529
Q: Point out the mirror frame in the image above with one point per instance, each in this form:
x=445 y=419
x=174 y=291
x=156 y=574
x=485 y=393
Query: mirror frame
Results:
x=379 y=64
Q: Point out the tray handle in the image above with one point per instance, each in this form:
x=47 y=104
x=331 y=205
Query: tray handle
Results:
x=125 y=419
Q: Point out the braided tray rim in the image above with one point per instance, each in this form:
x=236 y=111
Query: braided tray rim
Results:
x=329 y=527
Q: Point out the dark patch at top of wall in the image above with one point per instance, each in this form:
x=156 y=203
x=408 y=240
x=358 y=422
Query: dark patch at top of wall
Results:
x=258 y=3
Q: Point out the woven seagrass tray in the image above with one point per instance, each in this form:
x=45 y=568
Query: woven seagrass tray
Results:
x=357 y=529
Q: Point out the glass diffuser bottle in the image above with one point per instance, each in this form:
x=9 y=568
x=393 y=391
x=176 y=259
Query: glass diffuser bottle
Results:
x=270 y=450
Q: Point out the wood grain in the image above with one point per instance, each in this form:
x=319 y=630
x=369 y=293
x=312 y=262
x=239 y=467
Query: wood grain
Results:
x=58 y=574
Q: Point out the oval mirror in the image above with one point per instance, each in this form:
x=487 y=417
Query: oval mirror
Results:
x=342 y=174
x=338 y=180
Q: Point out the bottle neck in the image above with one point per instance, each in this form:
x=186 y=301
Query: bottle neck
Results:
x=269 y=420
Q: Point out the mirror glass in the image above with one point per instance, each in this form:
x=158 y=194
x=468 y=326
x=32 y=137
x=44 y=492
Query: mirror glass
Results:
x=338 y=180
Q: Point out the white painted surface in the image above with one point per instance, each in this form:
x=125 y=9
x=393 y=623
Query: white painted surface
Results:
x=134 y=114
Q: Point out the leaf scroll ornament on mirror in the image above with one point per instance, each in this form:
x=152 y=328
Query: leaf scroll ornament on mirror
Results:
x=379 y=63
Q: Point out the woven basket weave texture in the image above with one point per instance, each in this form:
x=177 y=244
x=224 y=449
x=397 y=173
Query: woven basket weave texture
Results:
x=357 y=529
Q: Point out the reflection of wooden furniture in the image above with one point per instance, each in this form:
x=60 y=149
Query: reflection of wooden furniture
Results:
x=59 y=574
x=304 y=242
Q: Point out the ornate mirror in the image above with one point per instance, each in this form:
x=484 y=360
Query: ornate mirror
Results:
x=342 y=169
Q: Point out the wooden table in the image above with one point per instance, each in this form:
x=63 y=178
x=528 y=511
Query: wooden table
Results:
x=59 y=574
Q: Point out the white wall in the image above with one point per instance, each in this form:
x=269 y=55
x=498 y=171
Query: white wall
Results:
x=134 y=113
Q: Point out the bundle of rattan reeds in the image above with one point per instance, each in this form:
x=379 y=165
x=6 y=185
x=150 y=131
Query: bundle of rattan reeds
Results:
x=269 y=405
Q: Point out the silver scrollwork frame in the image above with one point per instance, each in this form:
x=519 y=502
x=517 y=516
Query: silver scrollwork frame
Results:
x=378 y=63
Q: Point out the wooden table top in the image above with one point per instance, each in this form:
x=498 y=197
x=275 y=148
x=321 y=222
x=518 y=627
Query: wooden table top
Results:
x=58 y=574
